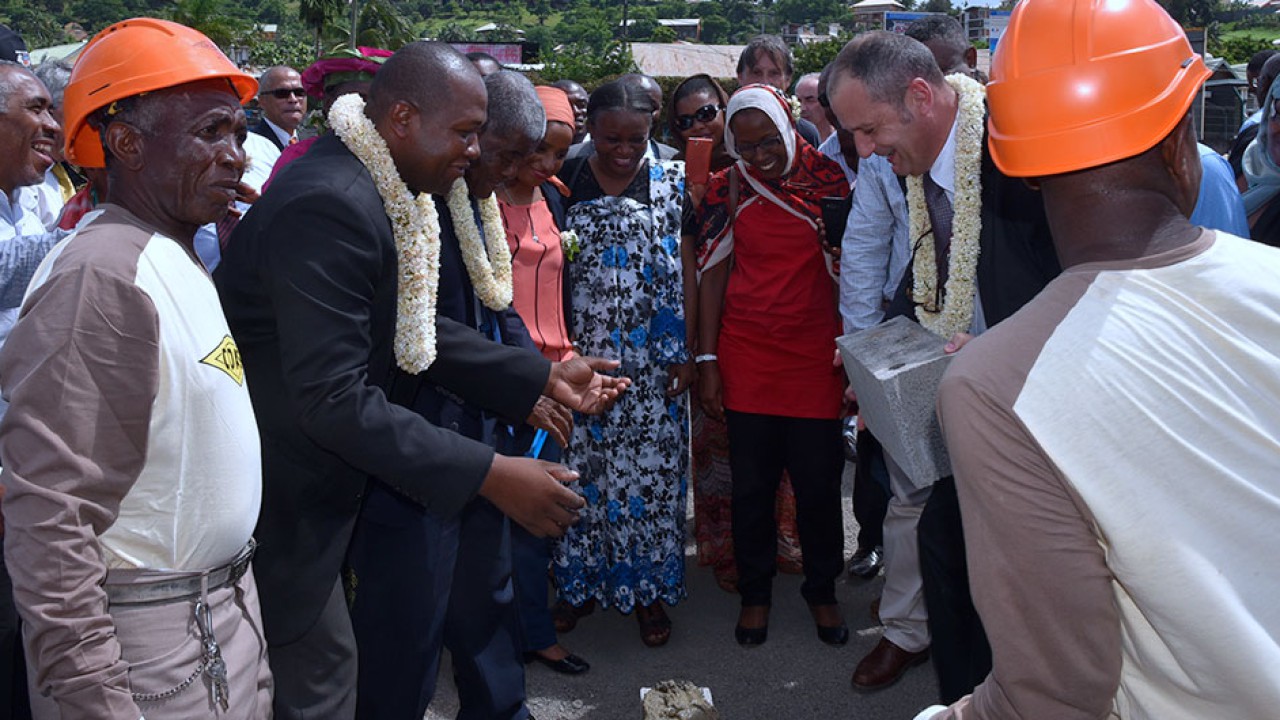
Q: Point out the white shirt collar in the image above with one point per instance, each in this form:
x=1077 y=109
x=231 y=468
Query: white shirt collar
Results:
x=284 y=135
x=943 y=171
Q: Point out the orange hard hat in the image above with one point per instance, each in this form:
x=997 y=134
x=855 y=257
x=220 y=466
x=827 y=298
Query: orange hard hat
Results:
x=1080 y=83
x=134 y=57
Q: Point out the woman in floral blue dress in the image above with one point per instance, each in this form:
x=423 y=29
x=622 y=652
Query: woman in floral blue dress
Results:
x=627 y=551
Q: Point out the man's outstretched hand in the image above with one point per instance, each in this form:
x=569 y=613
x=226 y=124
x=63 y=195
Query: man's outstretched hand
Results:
x=533 y=493
x=579 y=384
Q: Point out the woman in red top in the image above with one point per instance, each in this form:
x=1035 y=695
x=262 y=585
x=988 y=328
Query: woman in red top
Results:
x=767 y=328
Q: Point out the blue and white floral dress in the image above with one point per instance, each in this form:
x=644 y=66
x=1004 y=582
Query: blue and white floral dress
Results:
x=628 y=547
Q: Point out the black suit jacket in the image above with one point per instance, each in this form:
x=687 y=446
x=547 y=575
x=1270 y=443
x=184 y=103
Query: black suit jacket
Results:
x=1017 y=257
x=262 y=128
x=308 y=284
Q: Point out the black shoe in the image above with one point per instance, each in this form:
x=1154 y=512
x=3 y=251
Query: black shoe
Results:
x=838 y=635
x=568 y=665
x=750 y=637
x=867 y=565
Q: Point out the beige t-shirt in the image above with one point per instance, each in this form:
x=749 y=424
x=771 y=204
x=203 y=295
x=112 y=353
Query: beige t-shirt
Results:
x=130 y=442
x=1116 y=446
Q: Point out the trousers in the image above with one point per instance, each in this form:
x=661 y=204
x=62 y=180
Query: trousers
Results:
x=162 y=645
x=811 y=450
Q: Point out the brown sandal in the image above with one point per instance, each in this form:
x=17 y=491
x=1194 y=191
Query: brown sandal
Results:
x=655 y=626
x=565 y=616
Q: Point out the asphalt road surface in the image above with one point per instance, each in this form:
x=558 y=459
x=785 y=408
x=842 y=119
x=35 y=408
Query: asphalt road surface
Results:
x=793 y=676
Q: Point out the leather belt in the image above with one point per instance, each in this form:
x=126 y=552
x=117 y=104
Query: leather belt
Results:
x=182 y=588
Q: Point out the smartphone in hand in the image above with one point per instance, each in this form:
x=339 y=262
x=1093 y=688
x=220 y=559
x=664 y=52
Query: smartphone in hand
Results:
x=697 y=160
x=835 y=215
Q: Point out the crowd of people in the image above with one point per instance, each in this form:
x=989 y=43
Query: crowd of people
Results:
x=292 y=410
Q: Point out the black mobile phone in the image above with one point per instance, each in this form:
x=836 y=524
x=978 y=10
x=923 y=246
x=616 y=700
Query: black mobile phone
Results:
x=835 y=215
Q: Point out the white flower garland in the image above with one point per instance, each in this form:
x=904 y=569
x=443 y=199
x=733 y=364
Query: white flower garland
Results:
x=415 y=227
x=956 y=313
x=490 y=271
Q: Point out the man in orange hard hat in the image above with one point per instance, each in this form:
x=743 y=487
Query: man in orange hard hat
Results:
x=1114 y=443
x=132 y=464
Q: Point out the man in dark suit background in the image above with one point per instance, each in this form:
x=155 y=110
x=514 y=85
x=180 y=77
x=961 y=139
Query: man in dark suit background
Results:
x=309 y=285
x=422 y=579
x=283 y=102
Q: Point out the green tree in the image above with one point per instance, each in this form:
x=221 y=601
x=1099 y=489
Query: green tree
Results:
x=811 y=11
x=37 y=26
x=1191 y=13
x=382 y=25
x=453 y=31
x=715 y=30
x=317 y=15
x=936 y=6
x=812 y=57
x=588 y=66
x=212 y=18
x=294 y=52
x=663 y=34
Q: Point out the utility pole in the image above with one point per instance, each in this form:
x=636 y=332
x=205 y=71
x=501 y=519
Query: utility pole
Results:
x=355 y=23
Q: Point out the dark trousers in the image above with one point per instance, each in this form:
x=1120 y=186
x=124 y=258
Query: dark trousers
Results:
x=530 y=559
x=422 y=583
x=13 y=666
x=961 y=654
x=811 y=450
x=870 y=492
x=315 y=675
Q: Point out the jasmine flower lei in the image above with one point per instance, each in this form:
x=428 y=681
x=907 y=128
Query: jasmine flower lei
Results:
x=955 y=314
x=415 y=226
x=490 y=271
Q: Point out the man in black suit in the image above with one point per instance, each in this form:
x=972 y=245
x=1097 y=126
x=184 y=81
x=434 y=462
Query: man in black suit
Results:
x=309 y=285
x=283 y=103
x=423 y=579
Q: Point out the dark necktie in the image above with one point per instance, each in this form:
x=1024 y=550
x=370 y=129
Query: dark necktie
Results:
x=940 y=215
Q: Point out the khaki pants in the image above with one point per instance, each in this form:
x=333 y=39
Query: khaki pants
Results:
x=162 y=645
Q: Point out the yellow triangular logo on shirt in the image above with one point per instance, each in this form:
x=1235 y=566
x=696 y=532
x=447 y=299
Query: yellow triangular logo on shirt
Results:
x=226 y=357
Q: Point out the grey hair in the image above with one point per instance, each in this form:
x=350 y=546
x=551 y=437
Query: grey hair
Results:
x=806 y=76
x=514 y=108
x=886 y=63
x=55 y=74
x=6 y=83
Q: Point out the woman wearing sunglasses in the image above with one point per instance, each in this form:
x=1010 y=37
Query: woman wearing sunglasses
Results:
x=698 y=105
x=767 y=326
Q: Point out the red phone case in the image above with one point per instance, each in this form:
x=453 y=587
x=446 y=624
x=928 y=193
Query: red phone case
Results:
x=697 y=162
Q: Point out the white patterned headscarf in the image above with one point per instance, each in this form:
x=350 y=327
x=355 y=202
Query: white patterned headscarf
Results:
x=770 y=101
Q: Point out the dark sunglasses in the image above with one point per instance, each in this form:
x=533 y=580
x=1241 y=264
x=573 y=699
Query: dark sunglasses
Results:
x=284 y=93
x=706 y=113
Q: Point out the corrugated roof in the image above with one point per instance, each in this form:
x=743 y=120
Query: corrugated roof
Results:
x=685 y=59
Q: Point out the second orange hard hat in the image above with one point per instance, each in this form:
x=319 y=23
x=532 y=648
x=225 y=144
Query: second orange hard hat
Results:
x=134 y=57
x=1077 y=84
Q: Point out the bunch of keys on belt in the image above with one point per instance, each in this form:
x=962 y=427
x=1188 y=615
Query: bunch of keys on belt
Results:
x=214 y=668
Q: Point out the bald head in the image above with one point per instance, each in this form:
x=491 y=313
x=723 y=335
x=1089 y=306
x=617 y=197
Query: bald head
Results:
x=402 y=78
x=432 y=142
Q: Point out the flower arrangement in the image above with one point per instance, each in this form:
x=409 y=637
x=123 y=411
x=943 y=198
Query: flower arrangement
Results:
x=415 y=226
x=793 y=103
x=488 y=262
x=955 y=313
x=570 y=244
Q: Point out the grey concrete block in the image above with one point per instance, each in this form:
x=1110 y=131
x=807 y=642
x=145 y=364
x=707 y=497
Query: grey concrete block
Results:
x=894 y=368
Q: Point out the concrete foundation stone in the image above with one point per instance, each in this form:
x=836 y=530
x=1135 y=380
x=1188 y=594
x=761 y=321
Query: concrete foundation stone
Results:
x=894 y=368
